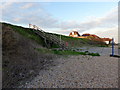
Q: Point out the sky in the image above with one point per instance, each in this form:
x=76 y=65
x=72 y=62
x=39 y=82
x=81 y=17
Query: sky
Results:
x=100 y=18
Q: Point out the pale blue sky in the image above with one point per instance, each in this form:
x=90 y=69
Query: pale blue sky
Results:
x=78 y=10
x=62 y=17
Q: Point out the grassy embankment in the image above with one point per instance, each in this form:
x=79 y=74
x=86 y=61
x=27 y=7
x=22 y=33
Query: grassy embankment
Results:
x=72 y=42
x=79 y=42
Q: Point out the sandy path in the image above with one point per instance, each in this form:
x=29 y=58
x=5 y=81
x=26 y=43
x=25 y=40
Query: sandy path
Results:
x=79 y=72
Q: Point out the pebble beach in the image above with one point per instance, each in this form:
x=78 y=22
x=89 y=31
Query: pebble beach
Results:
x=78 y=72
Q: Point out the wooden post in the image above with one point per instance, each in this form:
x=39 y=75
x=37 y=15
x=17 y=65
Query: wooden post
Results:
x=112 y=46
x=60 y=39
x=109 y=42
x=66 y=43
x=29 y=25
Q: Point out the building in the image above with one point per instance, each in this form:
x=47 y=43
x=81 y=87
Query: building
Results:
x=74 y=34
x=90 y=37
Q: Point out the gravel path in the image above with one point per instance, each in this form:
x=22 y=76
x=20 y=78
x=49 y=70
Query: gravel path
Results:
x=78 y=72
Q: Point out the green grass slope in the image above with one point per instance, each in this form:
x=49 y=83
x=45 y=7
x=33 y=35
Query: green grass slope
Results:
x=72 y=42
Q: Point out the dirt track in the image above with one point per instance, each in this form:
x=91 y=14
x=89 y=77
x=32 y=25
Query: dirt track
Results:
x=78 y=72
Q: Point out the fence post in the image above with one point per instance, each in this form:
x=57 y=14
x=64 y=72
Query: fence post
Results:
x=29 y=25
x=60 y=39
x=112 y=46
x=66 y=43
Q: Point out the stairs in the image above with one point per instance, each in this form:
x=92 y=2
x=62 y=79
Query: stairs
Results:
x=50 y=38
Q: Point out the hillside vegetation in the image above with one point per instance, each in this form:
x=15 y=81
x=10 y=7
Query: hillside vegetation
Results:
x=79 y=42
x=72 y=42
x=20 y=60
